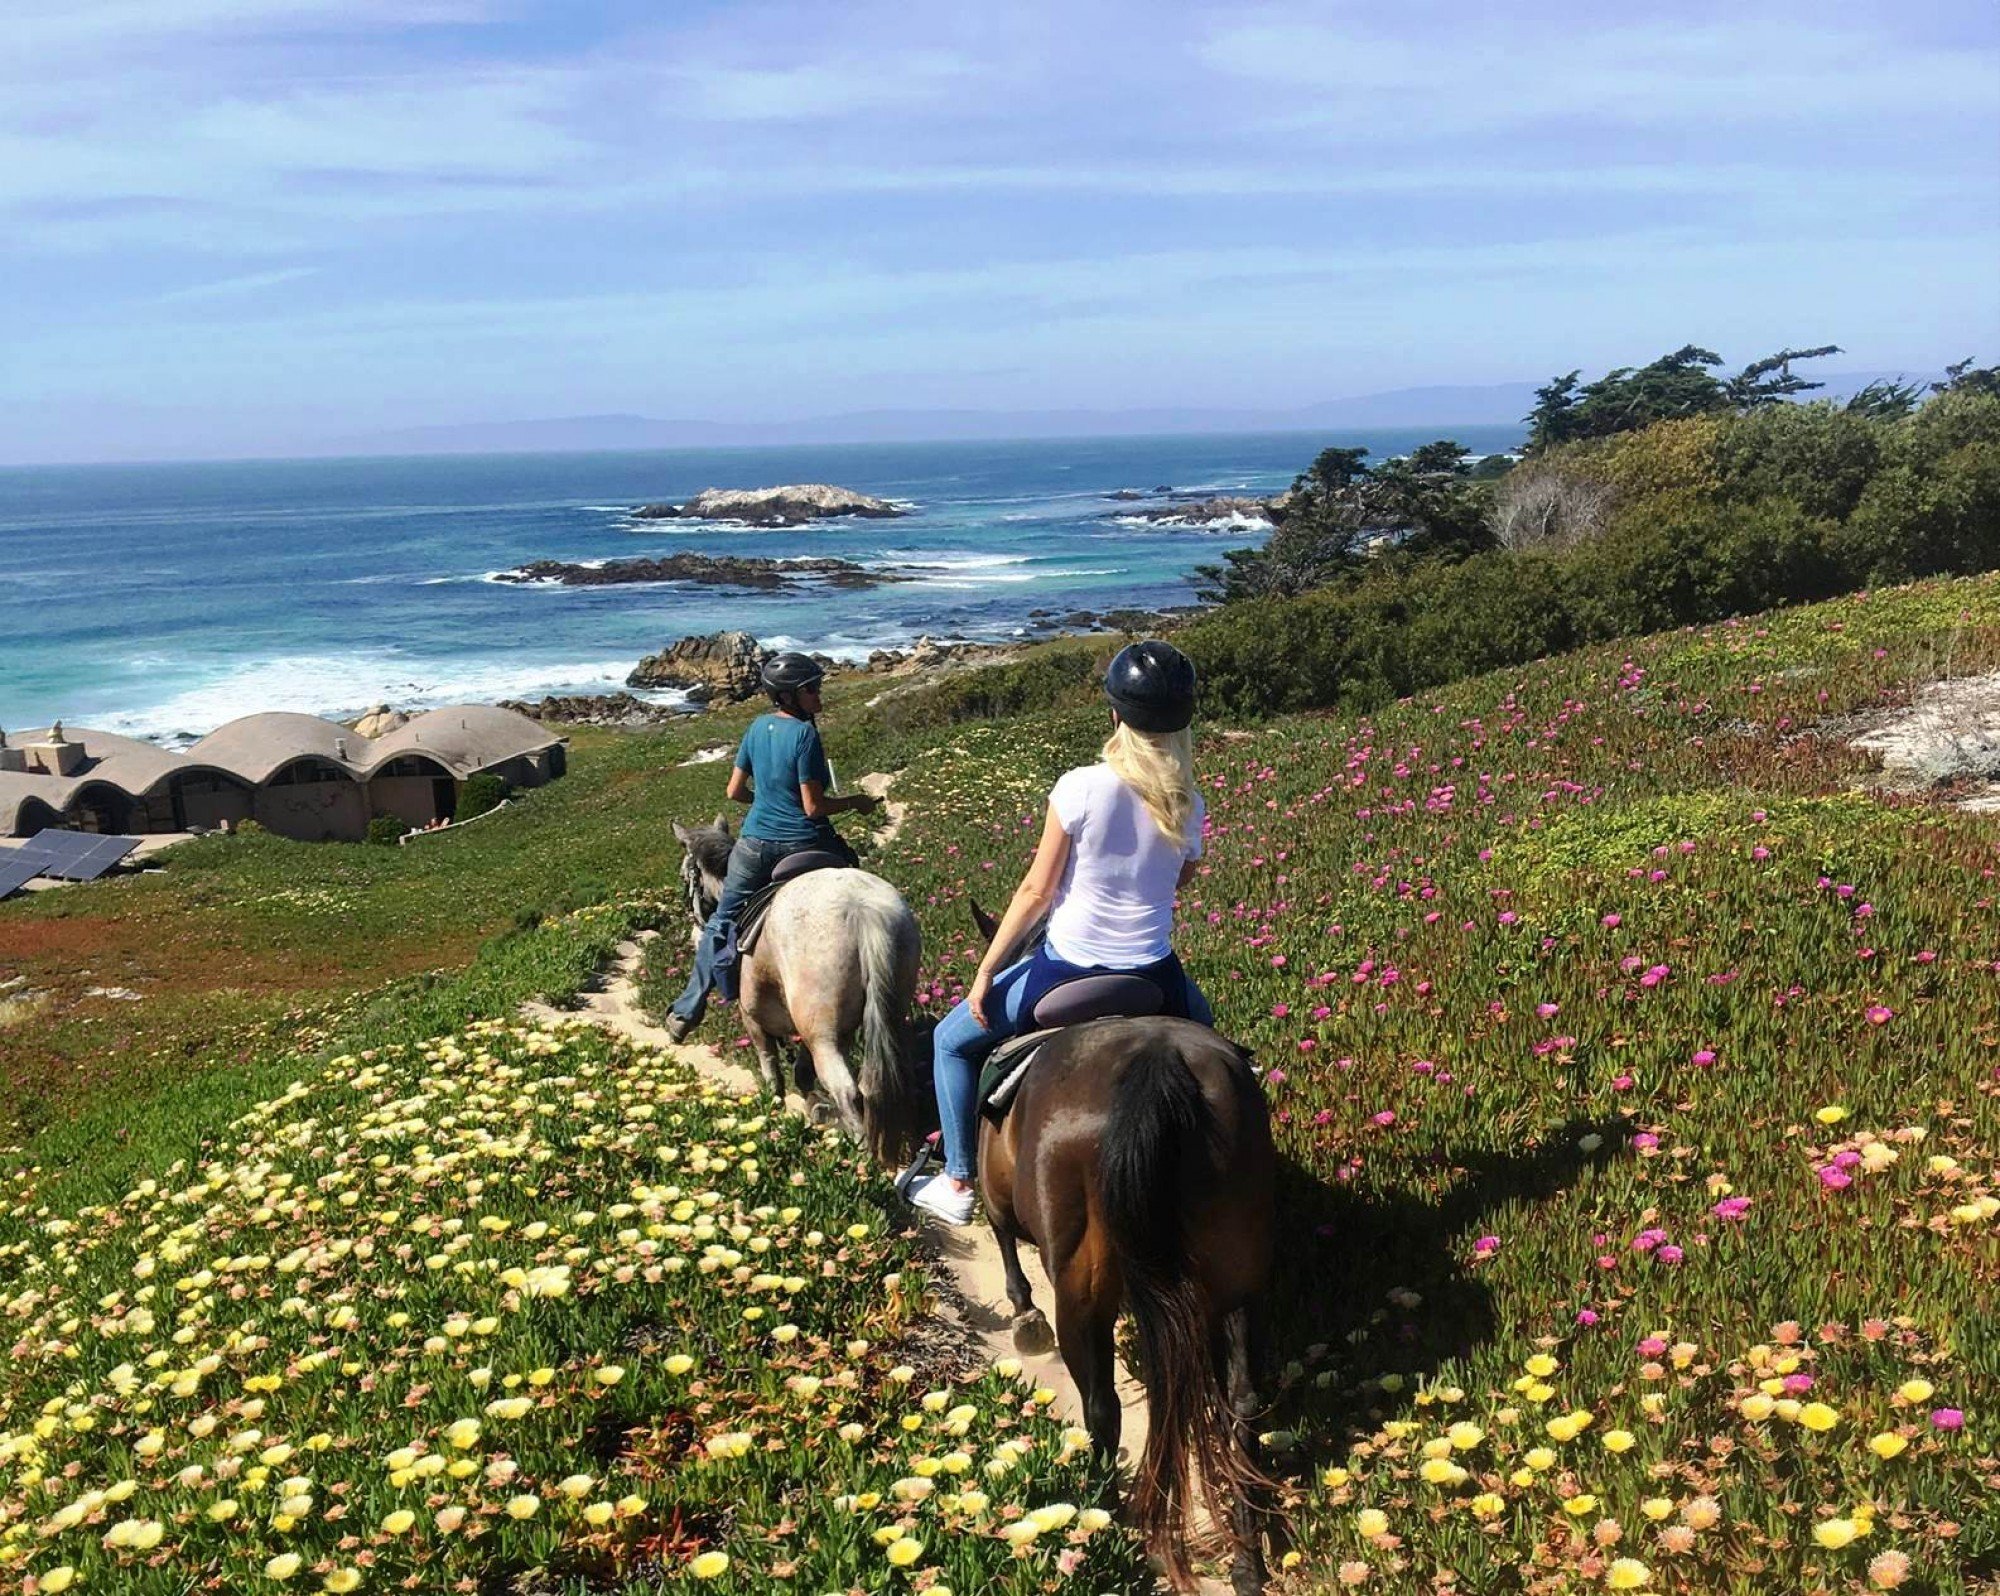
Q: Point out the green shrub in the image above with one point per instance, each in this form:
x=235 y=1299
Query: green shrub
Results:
x=480 y=793
x=386 y=830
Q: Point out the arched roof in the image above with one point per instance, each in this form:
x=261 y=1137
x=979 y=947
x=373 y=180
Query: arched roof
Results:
x=463 y=738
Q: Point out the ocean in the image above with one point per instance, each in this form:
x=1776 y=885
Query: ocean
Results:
x=164 y=600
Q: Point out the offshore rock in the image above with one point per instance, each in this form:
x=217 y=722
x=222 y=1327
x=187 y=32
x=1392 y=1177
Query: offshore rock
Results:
x=719 y=570
x=721 y=666
x=792 y=505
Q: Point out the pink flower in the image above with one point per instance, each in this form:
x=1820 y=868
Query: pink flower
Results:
x=1834 y=1178
x=1731 y=1208
x=1486 y=1245
x=1384 y=1119
x=1670 y=1254
x=1280 y=1010
x=1948 y=1418
x=1704 y=1058
x=1548 y=1011
x=1654 y=976
x=1880 y=1014
x=1613 y=921
x=1621 y=1083
x=1585 y=1317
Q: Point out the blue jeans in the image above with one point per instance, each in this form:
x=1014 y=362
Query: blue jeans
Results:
x=960 y=1045
x=751 y=862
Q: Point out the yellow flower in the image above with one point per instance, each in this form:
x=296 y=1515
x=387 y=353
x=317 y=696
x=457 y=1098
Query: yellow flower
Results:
x=1541 y=1366
x=677 y=1365
x=609 y=1375
x=710 y=1565
x=1540 y=1459
x=283 y=1566
x=1818 y=1416
x=398 y=1522
x=1334 y=1477
x=59 y=1578
x=1487 y=1505
x=598 y=1514
x=1577 y=1506
x=343 y=1579
x=525 y=1505
x=1627 y=1573
x=1756 y=1407
x=1832 y=1114
x=1887 y=1444
x=903 y=1552
x=1834 y=1533
x=576 y=1486
x=1619 y=1440
x=1657 y=1508
x=1915 y=1391
x=1441 y=1471
x=462 y=1433
x=1464 y=1436
x=1372 y=1521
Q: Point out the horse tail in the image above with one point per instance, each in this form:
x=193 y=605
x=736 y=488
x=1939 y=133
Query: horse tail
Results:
x=880 y=930
x=1161 y=1131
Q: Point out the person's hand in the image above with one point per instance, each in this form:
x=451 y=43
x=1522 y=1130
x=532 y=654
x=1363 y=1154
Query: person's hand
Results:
x=869 y=802
x=977 y=994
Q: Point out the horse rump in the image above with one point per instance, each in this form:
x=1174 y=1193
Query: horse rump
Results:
x=1163 y=1140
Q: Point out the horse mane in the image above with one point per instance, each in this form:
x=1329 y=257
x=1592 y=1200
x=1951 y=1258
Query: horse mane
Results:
x=710 y=846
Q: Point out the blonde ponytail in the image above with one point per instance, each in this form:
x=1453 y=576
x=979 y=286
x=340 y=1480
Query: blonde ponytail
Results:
x=1159 y=767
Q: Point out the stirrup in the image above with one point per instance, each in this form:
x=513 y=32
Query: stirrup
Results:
x=929 y=1153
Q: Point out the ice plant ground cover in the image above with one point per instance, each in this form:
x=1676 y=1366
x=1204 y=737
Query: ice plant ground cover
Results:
x=510 y=1299
x=1637 y=1081
x=1635 y=1076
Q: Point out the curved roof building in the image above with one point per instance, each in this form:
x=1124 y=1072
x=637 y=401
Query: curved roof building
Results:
x=296 y=774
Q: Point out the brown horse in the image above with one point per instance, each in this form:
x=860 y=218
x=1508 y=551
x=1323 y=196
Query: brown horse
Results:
x=1137 y=1158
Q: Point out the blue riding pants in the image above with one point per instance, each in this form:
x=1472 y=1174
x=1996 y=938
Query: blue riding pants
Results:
x=960 y=1045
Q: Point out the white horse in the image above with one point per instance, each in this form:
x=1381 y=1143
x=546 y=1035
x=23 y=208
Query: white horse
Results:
x=837 y=958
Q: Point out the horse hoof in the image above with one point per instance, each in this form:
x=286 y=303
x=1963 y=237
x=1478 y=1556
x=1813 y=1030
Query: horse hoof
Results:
x=1032 y=1336
x=821 y=1113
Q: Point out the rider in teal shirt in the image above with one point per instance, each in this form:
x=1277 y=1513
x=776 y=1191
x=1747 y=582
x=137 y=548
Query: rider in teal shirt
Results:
x=781 y=770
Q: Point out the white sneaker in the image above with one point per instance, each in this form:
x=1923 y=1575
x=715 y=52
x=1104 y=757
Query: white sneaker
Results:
x=938 y=1197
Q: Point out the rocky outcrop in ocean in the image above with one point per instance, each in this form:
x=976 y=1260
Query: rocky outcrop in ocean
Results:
x=594 y=709
x=718 y=570
x=786 y=506
x=722 y=667
x=1223 y=510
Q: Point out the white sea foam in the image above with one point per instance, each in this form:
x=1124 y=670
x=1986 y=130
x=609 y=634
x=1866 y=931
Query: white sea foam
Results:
x=1228 y=523
x=343 y=685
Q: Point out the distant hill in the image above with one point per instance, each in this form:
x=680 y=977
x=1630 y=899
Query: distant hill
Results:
x=1443 y=407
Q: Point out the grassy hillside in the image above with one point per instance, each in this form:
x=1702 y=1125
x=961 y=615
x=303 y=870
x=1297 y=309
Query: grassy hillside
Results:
x=1627 y=1062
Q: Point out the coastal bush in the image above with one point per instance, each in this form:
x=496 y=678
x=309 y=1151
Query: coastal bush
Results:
x=480 y=793
x=386 y=830
x=1685 y=522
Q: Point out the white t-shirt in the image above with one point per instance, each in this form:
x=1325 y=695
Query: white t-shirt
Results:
x=1115 y=904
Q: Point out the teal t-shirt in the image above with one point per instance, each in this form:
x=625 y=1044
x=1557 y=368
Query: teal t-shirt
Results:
x=781 y=755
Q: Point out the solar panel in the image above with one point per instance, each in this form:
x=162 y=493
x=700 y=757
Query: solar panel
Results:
x=75 y=855
x=16 y=873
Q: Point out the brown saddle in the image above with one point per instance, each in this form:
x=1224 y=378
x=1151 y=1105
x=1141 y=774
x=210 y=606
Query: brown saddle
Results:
x=750 y=922
x=1089 y=997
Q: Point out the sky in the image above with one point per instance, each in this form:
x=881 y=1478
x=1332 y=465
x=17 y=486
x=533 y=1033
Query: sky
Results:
x=253 y=226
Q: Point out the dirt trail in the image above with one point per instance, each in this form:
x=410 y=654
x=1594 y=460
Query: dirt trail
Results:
x=969 y=1256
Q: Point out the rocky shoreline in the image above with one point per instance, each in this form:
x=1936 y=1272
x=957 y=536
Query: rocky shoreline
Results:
x=792 y=505
x=714 y=570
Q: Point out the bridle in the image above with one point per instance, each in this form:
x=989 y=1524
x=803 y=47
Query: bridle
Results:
x=700 y=904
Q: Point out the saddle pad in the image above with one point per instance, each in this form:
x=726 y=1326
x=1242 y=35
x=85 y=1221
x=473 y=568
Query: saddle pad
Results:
x=1096 y=997
x=750 y=922
x=1005 y=1068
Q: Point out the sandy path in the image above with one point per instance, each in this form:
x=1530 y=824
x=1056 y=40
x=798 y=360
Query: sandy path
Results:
x=969 y=1256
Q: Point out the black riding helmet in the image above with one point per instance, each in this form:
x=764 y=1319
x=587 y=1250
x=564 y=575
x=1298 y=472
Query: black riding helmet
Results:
x=1151 y=685
x=790 y=672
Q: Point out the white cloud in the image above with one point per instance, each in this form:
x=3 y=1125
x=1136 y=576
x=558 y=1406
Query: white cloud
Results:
x=229 y=287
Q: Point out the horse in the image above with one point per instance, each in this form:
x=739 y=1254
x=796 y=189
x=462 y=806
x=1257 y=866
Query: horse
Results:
x=1137 y=1158
x=837 y=959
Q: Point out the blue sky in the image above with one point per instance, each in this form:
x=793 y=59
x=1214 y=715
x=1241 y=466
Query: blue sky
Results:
x=247 y=225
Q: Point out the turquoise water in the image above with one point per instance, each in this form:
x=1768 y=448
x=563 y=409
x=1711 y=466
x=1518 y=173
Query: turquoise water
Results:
x=166 y=599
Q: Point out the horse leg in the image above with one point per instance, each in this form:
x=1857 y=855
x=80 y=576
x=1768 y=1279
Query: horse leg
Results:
x=837 y=1080
x=1241 y=1335
x=1031 y=1329
x=769 y=1060
x=1085 y=1326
